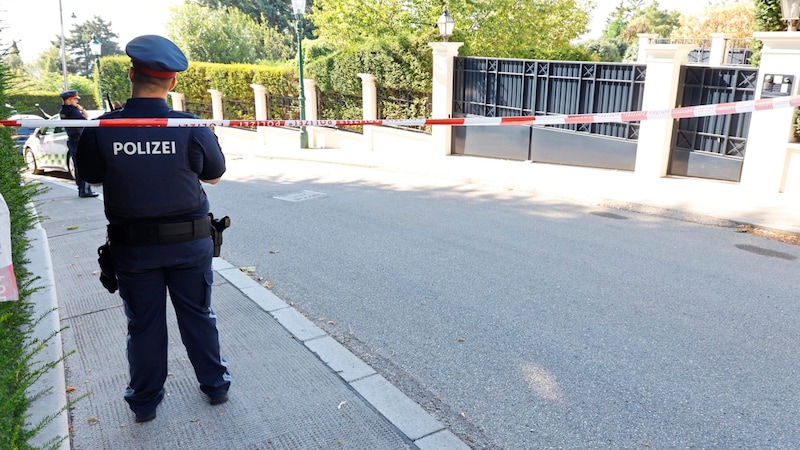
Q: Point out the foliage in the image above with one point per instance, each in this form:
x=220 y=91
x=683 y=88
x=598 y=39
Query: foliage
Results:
x=25 y=102
x=234 y=81
x=274 y=14
x=513 y=29
x=351 y=22
x=735 y=19
x=401 y=62
x=19 y=367
x=631 y=18
x=651 y=20
x=113 y=79
x=768 y=17
x=484 y=26
x=620 y=18
x=79 y=56
x=604 y=49
x=223 y=35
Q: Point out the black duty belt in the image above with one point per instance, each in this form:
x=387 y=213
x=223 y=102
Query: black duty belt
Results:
x=159 y=233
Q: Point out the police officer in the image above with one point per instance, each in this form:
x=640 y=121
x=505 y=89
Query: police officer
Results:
x=158 y=226
x=70 y=109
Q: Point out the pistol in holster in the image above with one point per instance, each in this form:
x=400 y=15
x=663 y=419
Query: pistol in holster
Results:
x=217 y=227
x=108 y=275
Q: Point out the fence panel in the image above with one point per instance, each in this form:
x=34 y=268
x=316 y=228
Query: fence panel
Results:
x=340 y=106
x=487 y=87
x=404 y=104
x=203 y=110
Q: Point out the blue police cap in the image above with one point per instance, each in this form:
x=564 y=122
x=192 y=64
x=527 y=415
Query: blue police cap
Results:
x=156 y=56
x=68 y=94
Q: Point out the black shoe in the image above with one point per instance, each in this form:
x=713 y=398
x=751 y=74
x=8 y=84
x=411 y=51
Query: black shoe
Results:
x=218 y=400
x=88 y=194
x=145 y=417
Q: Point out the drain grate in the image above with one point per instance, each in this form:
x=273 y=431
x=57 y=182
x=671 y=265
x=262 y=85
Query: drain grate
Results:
x=300 y=196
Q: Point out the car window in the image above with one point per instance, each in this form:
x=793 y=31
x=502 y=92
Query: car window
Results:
x=60 y=130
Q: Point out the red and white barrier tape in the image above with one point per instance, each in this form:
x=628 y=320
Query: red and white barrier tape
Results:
x=717 y=109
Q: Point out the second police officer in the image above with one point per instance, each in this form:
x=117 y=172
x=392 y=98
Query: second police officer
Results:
x=70 y=109
x=158 y=226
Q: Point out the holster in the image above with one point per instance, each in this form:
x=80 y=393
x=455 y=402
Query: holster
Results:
x=108 y=275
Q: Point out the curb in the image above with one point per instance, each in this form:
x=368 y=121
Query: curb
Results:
x=45 y=303
x=407 y=416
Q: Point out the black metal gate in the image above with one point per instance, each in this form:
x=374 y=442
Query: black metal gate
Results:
x=489 y=87
x=712 y=147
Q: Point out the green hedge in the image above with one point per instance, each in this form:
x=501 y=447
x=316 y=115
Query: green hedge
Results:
x=400 y=64
x=233 y=80
x=25 y=103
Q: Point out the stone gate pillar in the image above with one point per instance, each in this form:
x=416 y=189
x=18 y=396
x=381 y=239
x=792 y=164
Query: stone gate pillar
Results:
x=660 y=92
x=442 y=92
x=369 y=100
x=770 y=160
x=216 y=104
x=260 y=104
x=178 y=101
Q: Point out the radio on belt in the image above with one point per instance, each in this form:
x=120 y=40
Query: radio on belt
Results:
x=777 y=85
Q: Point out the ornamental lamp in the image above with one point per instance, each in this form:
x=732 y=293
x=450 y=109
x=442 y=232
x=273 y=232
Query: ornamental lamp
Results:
x=446 y=25
x=95 y=47
x=299 y=7
x=790 y=10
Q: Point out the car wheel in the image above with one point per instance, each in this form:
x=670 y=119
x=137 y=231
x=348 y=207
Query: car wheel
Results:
x=71 y=166
x=30 y=162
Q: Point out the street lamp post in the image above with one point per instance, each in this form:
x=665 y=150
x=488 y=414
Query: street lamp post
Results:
x=96 y=49
x=299 y=8
x=63 y=47
x=446 y=25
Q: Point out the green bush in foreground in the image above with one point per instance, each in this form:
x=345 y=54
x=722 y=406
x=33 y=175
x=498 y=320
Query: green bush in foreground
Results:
x=19 y=366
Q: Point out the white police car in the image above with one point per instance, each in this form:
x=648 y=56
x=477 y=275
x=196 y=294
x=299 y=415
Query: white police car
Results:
x=46 y=150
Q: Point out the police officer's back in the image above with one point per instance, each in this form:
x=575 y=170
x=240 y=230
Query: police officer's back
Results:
x=159 y=228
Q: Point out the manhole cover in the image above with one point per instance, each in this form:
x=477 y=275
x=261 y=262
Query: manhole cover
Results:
x=300 y=196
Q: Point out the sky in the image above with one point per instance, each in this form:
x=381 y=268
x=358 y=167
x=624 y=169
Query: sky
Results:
x=35 y=23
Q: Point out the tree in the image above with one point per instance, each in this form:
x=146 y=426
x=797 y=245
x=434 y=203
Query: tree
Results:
x=222 y=35
x=76 y=44
x=274 y=14
x=604 y=49
x=619 y=19
x=502 y=28
x=12 y=61
x=736 y=19
x=651 y=20
x=768 y=16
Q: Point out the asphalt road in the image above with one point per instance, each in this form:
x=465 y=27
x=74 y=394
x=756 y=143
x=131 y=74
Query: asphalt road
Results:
x=525 y=321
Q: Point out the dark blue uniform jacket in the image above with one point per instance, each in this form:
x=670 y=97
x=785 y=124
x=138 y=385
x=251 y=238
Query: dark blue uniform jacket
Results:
x=150 y=174
x=70 y=112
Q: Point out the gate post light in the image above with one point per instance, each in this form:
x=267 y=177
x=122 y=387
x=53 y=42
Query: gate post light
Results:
x=96 y=49
x=446 y=25
x=299 y=8
x=790 y=10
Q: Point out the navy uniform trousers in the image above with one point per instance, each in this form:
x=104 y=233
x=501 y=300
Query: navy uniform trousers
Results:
x=145 y=273
x=72 y=149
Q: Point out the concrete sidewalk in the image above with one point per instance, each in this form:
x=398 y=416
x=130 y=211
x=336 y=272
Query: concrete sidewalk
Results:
x=293 y=385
